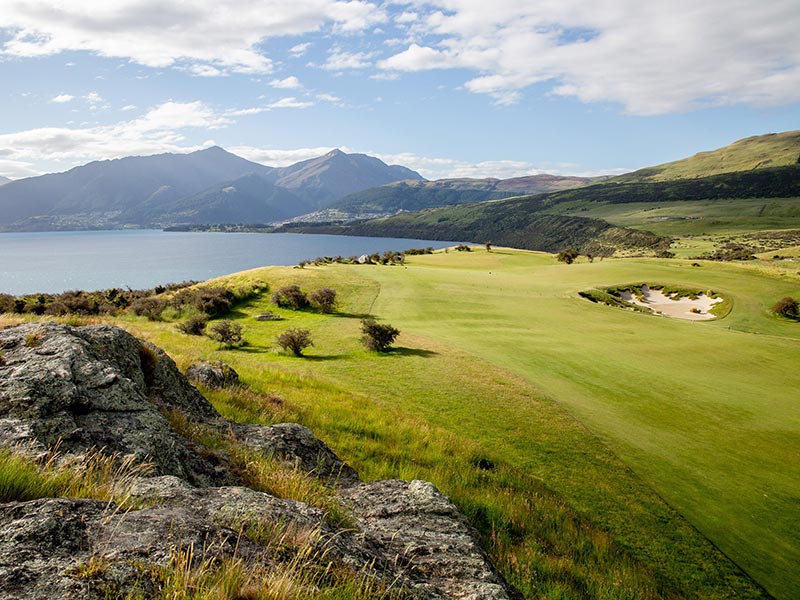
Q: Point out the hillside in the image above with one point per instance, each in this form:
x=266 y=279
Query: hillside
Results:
x=419 y=195
x=512 y=223
x=248 y=199
x=757 y=152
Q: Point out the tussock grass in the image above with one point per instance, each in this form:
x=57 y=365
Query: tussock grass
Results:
x=264 y=472
x=93 y=475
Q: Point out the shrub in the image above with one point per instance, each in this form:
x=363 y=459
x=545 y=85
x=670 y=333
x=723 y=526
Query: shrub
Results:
x=290 y=296
x=212 y=301
x=6 y=303
x=295 y=340
x=377 y=336
x=194 y=325
x=227 y=333
x=463 y=248
x=324 y=299
x=787 y=307
x=567 y=256
x=149 y=307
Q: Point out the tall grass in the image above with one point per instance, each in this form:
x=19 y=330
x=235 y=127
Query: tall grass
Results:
x=93 y=475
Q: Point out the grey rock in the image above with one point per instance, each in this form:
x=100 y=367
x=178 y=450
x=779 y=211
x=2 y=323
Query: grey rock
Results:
x=298 y=445
x=422 y=532
x=100 y=387
x=214 y=374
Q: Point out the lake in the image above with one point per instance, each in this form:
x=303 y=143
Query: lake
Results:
x=137 y=259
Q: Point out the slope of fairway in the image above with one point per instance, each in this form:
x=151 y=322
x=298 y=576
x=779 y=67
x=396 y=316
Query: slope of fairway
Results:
x=706 y=412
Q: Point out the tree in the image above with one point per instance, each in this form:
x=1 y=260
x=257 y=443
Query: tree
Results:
x=290 y=296
x=227 y=333
x=324 y=299
x=377 y=336
x=488 y=246
x=568 y=256
x=295 y=340
x=787 y=307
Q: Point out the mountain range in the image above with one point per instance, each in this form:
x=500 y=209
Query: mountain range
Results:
x=4 y=180
x=763 y=167
x=207 y=186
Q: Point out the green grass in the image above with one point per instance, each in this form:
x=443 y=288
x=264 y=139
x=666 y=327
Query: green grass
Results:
x=694 y=217
x=771 y=150
x=93 y=475
x=594 y=417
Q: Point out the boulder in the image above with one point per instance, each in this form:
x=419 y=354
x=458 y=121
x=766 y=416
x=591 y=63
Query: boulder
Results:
x=99 y=387
x=213 y=374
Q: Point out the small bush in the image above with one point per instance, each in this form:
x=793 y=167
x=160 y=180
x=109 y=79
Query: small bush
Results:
x=787 y=307
x=295 y=340
x=324 y=299
x=292 y=297
x=227 y=333
x=567 y=256
x=149 y=307
x=194 y=325
x=377 y=336
x=463 y=248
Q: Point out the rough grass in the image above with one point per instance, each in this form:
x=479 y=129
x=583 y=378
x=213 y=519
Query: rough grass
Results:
x=93 y=475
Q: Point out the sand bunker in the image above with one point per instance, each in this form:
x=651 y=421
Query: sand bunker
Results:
x=675 y=307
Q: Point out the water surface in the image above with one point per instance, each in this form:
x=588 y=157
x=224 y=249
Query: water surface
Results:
x=96 y=260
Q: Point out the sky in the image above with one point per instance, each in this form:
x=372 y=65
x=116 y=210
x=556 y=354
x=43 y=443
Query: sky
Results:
x=450 y=88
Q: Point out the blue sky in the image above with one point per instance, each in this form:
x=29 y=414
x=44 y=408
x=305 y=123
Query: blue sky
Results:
x=448 y=87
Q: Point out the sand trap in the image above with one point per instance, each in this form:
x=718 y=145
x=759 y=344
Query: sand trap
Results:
x=676 y=308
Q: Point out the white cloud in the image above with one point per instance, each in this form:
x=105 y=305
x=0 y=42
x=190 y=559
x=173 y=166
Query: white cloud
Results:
x=651 y=57
x=128 y=107
x=207 y=34
x=299 y=50
x=93 y=98
x=340 y=60
x=329 y=98
x=62 y=98
x=158 y=130
x=290 y=102
x=289 y=83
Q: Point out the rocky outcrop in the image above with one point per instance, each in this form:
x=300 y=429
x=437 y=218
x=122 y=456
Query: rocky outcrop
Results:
x=100 y=387
x=214 y=374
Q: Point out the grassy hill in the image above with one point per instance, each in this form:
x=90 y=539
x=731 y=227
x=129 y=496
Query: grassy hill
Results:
x=591 y=446
x=514 y=223
x=757 y=152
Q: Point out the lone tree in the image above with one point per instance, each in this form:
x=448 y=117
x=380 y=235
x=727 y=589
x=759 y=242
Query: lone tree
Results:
x=295 y=340
x=290 y=296
x=324 y=299
x=568 y=256
x=787 y=307
x=226 y=332
x=377 y=336
x=488 y=246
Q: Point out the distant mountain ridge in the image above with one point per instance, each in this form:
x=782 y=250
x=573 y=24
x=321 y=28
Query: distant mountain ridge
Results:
x=420 y=195
x=4 y=180
x=201 y=187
